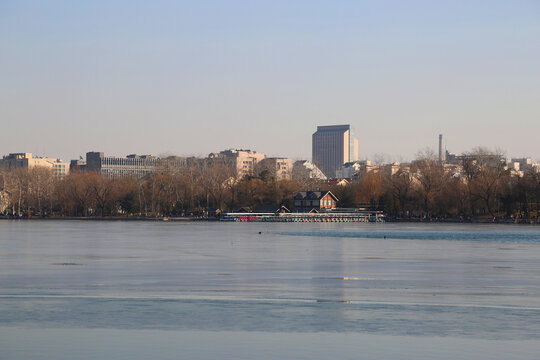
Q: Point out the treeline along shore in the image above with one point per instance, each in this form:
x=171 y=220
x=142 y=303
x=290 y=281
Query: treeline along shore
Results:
x=425 y=190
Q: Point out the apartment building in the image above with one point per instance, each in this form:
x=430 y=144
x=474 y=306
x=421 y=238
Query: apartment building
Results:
x=277 y=168
x=28 y=161
x=243 y=161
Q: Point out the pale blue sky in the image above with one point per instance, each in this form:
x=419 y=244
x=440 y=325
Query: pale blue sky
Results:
x=196 y=77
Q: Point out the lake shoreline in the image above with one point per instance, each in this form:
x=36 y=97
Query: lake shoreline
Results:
x=211 y=219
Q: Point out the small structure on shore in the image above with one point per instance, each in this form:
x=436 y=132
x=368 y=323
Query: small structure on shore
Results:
x=307 y=200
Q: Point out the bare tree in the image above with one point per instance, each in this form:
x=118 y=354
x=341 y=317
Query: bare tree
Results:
x=483 y=172
x=429 y=173
x=401 y=183
x=214 y=180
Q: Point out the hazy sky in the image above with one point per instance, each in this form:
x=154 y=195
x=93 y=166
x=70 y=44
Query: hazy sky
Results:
x=196 y=77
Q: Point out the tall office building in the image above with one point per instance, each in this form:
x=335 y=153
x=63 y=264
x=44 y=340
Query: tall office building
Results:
x=333 y=146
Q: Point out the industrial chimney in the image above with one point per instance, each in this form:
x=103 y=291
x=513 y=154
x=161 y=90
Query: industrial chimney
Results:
x=441 y=154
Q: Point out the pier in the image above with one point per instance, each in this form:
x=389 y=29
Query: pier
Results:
x=361 y=216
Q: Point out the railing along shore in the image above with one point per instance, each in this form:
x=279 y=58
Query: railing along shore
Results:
x=364 y=216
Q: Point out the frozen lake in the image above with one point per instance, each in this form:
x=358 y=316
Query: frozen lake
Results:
x=140 y=290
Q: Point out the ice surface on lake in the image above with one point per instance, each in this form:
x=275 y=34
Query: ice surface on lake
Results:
x=474 y=287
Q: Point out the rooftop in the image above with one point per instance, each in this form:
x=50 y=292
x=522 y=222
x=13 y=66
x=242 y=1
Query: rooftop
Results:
x=331 y=128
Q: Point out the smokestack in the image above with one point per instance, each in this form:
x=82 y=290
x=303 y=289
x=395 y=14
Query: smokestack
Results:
x=440 y=149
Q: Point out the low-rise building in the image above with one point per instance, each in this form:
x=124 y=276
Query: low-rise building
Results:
x=120 y=166
x=454 y=170
x=364 y=170
x=391 y=169
x=277 y=168
x=138 y=165
x=306 y=170
x=28 y=161
x=338 y=182
x=243 y=161
x=522 y=163
x=77 y=165
x=520 y=166
x=308 y=200
x=348 y=169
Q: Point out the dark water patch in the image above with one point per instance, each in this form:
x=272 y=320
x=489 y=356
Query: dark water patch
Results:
x=67 y=264
x=528 y=237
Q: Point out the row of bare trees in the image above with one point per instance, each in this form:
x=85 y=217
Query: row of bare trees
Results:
x=482 y=187
x=191 y=191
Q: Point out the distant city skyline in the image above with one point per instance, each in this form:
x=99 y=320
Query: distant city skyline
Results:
x=192 y=78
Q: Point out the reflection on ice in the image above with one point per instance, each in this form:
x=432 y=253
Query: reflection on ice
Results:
x=460 y=281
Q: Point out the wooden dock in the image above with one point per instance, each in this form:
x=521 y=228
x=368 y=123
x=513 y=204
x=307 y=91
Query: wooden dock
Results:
x=360 y=216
